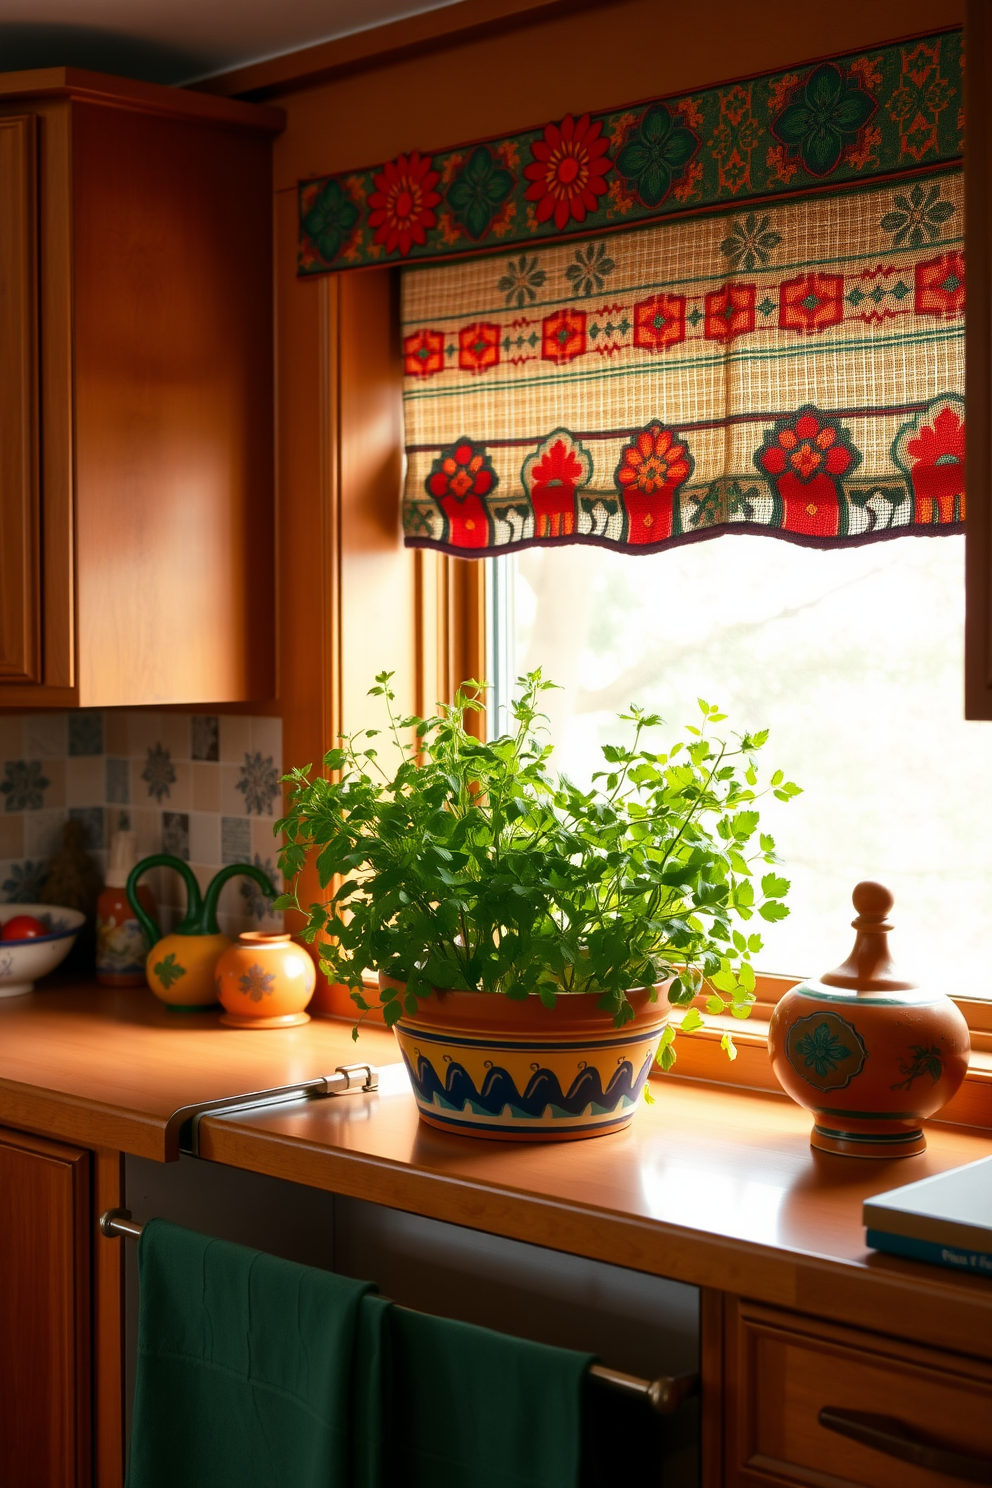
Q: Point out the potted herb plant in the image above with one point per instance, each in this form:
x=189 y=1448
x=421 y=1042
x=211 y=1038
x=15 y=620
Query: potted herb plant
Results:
x=531 y=937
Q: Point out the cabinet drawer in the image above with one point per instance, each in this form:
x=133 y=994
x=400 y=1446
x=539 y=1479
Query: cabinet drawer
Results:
x=785 y=1369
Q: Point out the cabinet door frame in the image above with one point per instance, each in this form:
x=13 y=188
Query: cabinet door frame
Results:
x=20 y=515
x=74 y=1429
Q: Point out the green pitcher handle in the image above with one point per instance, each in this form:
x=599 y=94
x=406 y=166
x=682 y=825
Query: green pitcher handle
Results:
x=233 y=870
x=194 y=904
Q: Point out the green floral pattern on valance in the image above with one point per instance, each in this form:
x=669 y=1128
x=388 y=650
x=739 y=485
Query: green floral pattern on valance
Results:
x=884 y=111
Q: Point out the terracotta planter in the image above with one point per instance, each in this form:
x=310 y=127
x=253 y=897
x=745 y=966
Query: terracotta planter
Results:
x=488 y=1066
x=868 y=1052
x=265 y=981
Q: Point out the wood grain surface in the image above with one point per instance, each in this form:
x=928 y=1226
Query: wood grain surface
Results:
x=712 y=1186
x=45 y=1244
x=108 y=1067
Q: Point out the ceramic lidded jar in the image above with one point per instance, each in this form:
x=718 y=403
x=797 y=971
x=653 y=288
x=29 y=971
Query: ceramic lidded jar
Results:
x=265 y=981
x=868 y=1052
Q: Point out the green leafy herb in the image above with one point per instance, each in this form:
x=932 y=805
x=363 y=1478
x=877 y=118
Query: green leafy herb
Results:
x=474 y=866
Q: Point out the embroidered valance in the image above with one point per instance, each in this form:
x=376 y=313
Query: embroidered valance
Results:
x=795 y=368
x=855 y=118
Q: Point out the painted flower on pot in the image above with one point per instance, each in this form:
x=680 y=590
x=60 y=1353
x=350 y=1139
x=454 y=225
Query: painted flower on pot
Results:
x=730 y=312
x=811 y=303
x=655 y=153
x=459 y=480
x=567 y=173
x=805 y=455
x=827 y=117
x=403 y=202
x=940 y=286
x=552 y=476
x=330 y=222
x=650 y=471
x=478 y=191
x=423 y=353
x=930 y=450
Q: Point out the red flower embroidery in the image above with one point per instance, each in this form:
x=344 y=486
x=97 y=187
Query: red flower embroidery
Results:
x=567 y=171
x=459 y=479
x=940 y=285
x=551 y=476
x=402 y=203
x=931 y=452
x=423 y=354
x=811 y=303
x=730 y=312
x=806 y=455
x=651 y=469
x=563 y=335
x=478 y=346
x=659 y=322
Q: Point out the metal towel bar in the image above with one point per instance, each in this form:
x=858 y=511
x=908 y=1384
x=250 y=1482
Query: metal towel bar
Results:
x=664 y=1394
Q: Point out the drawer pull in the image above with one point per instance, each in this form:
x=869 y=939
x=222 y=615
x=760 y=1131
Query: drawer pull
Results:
x=886 y=1434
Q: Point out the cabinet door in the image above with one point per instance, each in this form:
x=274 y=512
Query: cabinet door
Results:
x=812 y=1404
x=20 y=598
x=44 y=1314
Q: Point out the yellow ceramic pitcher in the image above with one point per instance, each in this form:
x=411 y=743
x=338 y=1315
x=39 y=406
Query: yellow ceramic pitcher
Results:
x=180 y=967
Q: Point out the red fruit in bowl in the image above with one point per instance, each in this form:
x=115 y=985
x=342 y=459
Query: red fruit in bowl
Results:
x=23 y=927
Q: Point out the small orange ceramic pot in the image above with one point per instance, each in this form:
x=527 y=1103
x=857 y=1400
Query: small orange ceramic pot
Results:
x=869 y=1053
x=265 y=981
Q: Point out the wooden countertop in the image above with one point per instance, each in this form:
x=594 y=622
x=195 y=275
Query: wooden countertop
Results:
x=112 y=1067
x=712 y=1185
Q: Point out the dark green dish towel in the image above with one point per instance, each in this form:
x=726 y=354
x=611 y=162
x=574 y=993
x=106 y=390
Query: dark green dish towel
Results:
x=245 y=1367
x=475 y=1409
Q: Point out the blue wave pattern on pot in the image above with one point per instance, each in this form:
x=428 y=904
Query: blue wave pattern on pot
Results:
x=542 y=1095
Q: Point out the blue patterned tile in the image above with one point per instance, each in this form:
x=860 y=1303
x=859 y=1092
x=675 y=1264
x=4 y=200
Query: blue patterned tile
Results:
x=86 y=732
x=206 y=736
x=175 y=834
x=23 y=786
x=118 y=781
x=259 y=783
x=91 y=819
x=235 y=839
x=24 y=882
x=159 y=772
x=258 y=903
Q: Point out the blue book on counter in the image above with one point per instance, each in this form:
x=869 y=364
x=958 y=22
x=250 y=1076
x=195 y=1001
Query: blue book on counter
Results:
x=946 y=1219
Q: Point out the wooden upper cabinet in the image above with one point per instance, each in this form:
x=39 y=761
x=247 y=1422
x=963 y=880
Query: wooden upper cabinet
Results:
x=20 y=594
x=139 y=568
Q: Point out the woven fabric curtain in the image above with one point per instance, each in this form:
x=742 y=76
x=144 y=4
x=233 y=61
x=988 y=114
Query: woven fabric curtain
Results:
x=794 y=368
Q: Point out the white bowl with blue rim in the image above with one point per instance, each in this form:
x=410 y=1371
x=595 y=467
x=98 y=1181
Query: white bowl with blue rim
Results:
x=23 y=961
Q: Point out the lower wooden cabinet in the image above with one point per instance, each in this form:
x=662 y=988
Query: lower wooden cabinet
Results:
x=814 y=1404
x=45 y=1332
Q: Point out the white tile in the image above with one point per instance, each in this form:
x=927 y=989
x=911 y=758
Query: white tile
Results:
x=204 y=837
x=266 y=736
x=42 y=833
x=235 y=738
x=45 y=736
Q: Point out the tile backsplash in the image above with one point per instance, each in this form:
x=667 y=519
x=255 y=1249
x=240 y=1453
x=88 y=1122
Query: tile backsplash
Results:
x=201 y=786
